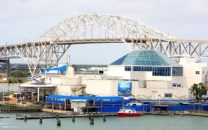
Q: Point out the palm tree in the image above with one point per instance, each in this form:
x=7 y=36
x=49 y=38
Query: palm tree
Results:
x=198 y=90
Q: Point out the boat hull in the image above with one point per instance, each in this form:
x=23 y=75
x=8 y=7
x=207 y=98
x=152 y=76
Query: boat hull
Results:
x=128 y=114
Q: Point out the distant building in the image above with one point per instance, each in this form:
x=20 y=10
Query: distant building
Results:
x=90 y=69
x=14 y=67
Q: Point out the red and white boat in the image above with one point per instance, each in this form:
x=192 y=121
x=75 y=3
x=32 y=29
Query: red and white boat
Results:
x=126 y=112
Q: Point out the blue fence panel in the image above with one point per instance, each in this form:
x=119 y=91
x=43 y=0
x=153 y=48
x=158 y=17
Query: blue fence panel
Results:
x=55 y=101
x=105 y=103
x=205 y=107
x=109 y=109
x=188 y=107
x=144 y=107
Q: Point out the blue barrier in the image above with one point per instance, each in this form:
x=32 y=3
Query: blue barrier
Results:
x=205 y=107
x=143 y=107
x=178 y=107
x=148 y=107
x=108 y=109
x=114 y=103
x=56 y=101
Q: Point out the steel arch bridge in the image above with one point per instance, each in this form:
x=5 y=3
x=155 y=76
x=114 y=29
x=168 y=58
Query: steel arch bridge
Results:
x=97 y=29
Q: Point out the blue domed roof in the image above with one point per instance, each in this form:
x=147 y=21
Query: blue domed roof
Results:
x=145 y=57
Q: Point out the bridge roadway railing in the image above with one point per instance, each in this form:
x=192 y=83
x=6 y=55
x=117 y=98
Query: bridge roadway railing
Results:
x=46 y=52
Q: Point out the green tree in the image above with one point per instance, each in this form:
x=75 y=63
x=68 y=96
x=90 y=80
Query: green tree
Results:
x=198 y=90
x=19 y=74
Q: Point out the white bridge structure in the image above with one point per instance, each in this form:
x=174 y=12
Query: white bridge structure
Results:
x=98 y=29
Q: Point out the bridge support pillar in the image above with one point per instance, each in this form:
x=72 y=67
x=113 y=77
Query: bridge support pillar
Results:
x=7 y=62
x=8 y=68
x=38 y=94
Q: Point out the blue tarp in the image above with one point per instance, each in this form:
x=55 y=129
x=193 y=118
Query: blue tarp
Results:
x=55 y=101
x=178 y=107
x=103 y=98
x=174 y=101
x=61 y=68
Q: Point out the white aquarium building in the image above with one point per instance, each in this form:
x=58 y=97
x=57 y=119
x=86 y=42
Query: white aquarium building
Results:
x=145 y=74
x=153 y=75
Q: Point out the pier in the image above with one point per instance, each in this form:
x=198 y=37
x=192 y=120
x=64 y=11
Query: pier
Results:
x=48 y=115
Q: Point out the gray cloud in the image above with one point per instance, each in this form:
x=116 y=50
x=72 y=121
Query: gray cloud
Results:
x=27 y=19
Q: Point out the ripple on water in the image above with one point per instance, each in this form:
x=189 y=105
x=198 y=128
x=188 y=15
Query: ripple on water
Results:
x=7 y=126
x=148 y=122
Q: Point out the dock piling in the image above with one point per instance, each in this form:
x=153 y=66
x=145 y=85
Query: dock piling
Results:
x=57 y=117
x=25 y=118
x=91 y=121
x=41 y=120
x=73 y=119
x=182 y=114
x=58 y=122
x=104 y=120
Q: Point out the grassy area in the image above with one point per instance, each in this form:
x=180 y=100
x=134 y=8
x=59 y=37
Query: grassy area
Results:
x=19 y=74
x=3 y=81
x=8 y=105
x=17 y=80
x=16 y=77
x=14 y=80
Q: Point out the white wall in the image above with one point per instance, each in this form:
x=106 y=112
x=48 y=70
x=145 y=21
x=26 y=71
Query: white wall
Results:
x=110 y=88
x=178 y=80
x=189 y=71
x=149 y=93
x=63 y=90
x=158 y=84
x=101 y=87
x=118 y=71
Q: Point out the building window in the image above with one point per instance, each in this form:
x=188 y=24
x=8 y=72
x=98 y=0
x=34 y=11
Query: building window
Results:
x=137 y=68
x=127 y=68
x=161 y=71
x=197 y=72
x=156 y=71
x=168 y=95
x=177 y=71
x=174 y=85
x=142 y=68
x=178 y=85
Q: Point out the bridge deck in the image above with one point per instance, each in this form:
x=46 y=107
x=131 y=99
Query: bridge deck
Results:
x=97 y=41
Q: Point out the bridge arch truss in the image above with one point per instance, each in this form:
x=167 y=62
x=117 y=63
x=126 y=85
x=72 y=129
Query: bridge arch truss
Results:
x=99 y=29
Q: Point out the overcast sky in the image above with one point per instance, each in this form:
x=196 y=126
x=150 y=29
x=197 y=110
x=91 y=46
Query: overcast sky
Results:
x=23 y=20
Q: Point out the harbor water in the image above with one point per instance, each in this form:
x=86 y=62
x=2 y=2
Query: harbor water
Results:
x=146 y=122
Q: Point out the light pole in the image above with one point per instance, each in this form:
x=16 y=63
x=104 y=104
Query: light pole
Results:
x=3 y=97
x=159 y=98
x=9 y=81
x=154 y=94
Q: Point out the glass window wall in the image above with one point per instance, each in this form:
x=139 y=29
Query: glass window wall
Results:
x=158 y=71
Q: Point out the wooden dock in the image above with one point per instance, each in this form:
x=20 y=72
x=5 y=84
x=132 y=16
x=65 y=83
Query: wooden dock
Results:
x=204 y=114
x=49 y=115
